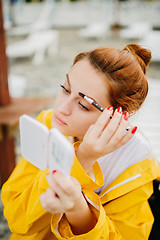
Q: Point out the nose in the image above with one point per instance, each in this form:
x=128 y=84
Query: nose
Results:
x=65 y=107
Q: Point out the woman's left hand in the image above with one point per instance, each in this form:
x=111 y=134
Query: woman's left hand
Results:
x=63 y=195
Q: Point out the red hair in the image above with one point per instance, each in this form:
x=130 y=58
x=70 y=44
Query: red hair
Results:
x=124 y=72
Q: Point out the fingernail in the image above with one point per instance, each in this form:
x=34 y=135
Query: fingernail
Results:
x=134 y=130
x=110 y=108
x=119 y=109
x=126 y=115
x=54 y=171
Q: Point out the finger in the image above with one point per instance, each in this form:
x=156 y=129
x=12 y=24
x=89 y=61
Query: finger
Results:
x=61 y=183
x=60 y=193
x=50 y=180
x=75 y=181
x=101 y=123
x=49 y=201
x=42 y=200
x=120 y=131
x=63 y=195
x=51 y=194
x=54 y=186
x=130 y=133
x=112 y=126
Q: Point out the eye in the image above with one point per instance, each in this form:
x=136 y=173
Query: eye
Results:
x=65 y=89
x=83 y=107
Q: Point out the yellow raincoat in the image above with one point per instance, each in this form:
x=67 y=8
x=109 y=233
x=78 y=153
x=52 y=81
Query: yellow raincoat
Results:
x=122 y=209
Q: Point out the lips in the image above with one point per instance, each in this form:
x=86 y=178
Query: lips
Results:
x=59 y=120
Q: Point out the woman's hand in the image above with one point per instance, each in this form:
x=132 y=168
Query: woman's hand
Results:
x=64 y=194
x=105 y=136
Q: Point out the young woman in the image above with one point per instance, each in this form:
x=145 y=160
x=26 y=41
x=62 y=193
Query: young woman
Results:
x=107 y=195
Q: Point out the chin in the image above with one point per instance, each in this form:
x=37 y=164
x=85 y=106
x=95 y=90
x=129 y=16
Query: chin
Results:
x=61 y=129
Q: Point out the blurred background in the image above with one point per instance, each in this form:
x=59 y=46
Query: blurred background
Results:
x=43 y=37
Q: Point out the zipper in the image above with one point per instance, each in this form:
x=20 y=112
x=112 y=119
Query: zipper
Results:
x=122 y=183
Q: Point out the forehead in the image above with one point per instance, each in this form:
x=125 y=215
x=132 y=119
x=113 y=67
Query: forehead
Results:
x=86 y=79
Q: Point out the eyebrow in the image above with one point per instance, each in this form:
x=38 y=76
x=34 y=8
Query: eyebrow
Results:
x=67 y=76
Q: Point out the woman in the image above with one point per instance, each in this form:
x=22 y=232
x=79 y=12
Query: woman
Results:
x=107 y=195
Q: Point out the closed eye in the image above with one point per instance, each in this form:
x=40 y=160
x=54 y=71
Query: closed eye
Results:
x=81 y=105
x=85 y=108
x=65 y=89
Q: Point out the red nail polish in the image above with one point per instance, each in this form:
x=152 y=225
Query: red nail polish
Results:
x=54 y=171
x=119 y=109
x=126 y=115
x=110 y=108
x=134 y=130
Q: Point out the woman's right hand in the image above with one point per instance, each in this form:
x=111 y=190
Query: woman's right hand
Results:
x=105 y=136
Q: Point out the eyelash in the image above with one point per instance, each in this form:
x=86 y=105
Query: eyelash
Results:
x=67 y=91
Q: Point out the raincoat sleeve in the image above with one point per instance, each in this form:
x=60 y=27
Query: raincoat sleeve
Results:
x=131 y=213
x=21 y=199
x=131 y=219
x=104 y=228
x=20 y=196
x=127 y=216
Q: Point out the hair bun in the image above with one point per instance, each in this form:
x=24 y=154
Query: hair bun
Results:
x=143 y=55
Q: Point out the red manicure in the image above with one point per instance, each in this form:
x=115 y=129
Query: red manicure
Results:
x=110 y=108
x=126 y=115
x=119 y=109
x=54 y=171
x=134 y=130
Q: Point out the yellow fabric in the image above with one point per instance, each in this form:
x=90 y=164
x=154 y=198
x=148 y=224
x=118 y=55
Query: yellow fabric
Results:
x=122 y=213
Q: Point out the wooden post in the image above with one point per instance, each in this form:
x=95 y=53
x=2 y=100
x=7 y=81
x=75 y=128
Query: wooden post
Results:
x=7 y=154
x=4 y=92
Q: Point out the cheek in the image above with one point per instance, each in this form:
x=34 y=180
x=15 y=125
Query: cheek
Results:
x=84 y=123
x=58 y=99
